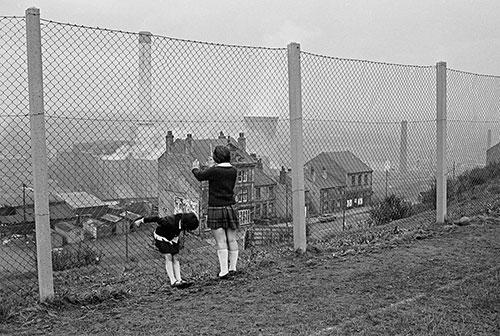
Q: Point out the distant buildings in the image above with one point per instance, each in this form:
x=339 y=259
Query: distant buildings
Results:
x=135 y=171
x=334 y=181
x=93 y=175
x=109 y=170
x=17 y=211
x=254 y=191
x=493 y=154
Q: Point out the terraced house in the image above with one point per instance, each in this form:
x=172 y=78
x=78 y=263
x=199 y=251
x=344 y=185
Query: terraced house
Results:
x=335 y=181
x=254 y=190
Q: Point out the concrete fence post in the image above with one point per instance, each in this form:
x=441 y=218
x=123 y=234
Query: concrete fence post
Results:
x=403 y=148
x=441 y=166
x=39 y=154
x=297 y=147
x=488 y=140
x=144 y=74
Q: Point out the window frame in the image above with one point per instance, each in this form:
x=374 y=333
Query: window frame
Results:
x=244 y=216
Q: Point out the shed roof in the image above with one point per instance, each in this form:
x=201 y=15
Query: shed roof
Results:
x=80 y=199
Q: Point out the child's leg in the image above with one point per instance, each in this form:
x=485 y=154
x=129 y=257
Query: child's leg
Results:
x=169 y=267
x=177 y=268
x=233 y=249
x=222 y=253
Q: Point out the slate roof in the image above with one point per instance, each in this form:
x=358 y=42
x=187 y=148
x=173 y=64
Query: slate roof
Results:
x=16 y=198
x=261 y=179
x=57 y=211
x=334 y=177
x=201 y=149
x=345 y=160
x=80 y=199
x=180 y=163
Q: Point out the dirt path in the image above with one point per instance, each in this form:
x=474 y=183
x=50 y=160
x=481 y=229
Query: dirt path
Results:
x=398 y=287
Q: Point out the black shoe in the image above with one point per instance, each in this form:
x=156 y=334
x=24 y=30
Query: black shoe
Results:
x=224 y=277
x=181 y=284
x=184 y=284
x=234 y=273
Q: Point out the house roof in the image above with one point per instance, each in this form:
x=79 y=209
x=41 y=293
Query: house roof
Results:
x=111 y=218
x=16 y=198
x=102 y=147
x=345 y=160
x=80 y=199
x=331 y=179
x=261 y=179
x=125 y=175
x=93 y=222
x=130 y=215
x=123 y=191
x=180 y=164
x=57 y=211
x=180 y=159
x=203 y=148
x=65 y=226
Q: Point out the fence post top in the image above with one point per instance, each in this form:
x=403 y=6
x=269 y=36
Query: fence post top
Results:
x=145 y=37
x=32 y=11
x=441 y=63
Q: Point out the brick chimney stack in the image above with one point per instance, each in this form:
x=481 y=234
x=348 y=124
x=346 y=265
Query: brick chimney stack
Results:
x=242 y=141
x=283 y=173
x=189 y=144
x=169 y=142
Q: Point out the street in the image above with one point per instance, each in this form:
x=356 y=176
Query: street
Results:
x=354 y=218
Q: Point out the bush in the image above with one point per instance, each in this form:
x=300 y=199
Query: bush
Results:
x=466 y=183
x=428 y=197
x=390 y=209
x=7 y=308
x=75 y=256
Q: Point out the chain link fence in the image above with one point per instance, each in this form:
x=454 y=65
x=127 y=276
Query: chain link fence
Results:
x=369 y=131
x=127 y=113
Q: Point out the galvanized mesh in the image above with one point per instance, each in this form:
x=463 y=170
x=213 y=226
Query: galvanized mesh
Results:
x=473 y=105
x=369 y=133
x=126 y=114
x=17 y=251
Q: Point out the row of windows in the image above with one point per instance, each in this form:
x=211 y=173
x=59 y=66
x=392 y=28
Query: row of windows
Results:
x=360 y=178
x=260 y=193
x=354 y=201
x=243 y=175
x=264 y=211
x=246 y=176
x=335 y=205
x=244 y=216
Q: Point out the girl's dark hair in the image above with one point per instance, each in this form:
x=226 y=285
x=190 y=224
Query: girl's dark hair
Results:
x=221 y=154
x=189 y=221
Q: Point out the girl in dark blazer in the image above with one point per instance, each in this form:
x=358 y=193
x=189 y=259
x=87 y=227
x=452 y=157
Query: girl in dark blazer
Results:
x=222 y=214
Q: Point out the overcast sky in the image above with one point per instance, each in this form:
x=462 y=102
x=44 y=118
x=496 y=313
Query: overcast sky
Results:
x=464 y=33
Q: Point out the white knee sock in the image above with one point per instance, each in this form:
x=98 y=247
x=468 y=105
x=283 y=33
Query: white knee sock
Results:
x=223 y=262
x=233 y=260
x=169 y=267
x=177 y=269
